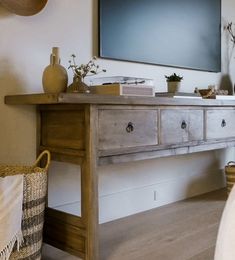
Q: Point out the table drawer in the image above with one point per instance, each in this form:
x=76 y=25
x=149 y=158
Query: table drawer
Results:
x=127 y=128
x=220 y=123
x=178 y=126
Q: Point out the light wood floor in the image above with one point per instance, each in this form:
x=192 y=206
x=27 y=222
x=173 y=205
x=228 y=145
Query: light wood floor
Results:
x=184 y=230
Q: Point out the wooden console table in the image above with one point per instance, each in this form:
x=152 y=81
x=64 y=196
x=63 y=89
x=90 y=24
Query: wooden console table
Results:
x=92 y=130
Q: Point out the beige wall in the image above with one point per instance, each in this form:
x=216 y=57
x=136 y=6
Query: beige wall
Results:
x=25 y=47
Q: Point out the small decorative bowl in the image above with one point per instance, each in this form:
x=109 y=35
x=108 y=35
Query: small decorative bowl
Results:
x=205 y=93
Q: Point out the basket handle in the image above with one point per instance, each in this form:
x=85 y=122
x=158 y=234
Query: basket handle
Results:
x=230 y=163
x=45 y=152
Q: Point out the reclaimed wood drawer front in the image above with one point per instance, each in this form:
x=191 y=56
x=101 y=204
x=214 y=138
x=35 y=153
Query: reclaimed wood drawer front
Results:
x=63 y=129
x=127 y=128
x=178 y=126
x=220 y=123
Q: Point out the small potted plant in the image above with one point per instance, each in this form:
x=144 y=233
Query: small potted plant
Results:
x=82 y=71
x=173 y=82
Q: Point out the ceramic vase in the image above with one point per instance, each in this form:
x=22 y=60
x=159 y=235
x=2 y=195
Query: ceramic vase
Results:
x=78 y=86
x=55 y=76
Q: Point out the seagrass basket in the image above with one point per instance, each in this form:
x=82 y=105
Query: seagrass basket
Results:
x=230 y=175
x=34 y=200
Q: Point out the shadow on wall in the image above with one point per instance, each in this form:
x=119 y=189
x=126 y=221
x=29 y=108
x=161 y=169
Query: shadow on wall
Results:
x=10 y=82
x=226 y=84
x=17 y=132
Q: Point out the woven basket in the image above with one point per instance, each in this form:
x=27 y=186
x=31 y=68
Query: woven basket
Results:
x=230 y=175
x=34 y=199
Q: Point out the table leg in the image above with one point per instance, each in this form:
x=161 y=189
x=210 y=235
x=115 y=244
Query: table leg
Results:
x=89 y=187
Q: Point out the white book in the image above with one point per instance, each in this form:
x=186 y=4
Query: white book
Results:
x=192 y=97
x=178 y=95
x=223 y=97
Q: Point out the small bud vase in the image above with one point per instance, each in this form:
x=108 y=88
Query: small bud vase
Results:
x=55 y=77
x=78 y=86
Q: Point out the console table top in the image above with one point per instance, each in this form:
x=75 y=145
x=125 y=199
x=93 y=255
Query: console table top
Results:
x=77 y=98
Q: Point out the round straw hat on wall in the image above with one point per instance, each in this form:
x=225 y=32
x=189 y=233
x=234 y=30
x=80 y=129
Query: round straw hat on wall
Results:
x=24 y=7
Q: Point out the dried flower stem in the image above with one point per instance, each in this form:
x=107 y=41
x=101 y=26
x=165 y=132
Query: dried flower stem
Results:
x=84 y=70
x=231 y=32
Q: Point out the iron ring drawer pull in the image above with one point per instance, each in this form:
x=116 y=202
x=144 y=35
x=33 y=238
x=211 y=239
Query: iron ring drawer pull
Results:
x=130 y=127
x=183 y=124
x=223 y=123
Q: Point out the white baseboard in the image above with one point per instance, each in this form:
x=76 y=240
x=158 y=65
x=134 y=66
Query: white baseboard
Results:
x=122 y=204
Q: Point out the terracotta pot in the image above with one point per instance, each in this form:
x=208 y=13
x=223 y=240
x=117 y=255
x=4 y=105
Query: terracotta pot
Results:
x=24 y=7
x=173 y=86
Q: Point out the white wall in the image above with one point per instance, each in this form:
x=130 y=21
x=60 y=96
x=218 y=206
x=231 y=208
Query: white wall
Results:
x=25 y=47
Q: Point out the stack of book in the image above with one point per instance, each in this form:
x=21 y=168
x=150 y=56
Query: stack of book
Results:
x=123 y=86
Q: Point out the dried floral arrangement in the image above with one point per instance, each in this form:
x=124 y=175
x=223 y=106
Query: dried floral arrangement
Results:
x=84 y=70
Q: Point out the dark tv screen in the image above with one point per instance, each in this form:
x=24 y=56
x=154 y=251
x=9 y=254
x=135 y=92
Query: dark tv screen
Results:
x=178 y=33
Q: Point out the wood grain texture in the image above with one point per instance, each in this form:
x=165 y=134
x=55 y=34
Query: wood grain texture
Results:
x=114 y=123
x=65 y=231
x=63 y=129
x=180 y=126
x=135 y=154
x=89 y=185
x=220 y=124
x=77 y=98
x=184 y=230
x=32 y=99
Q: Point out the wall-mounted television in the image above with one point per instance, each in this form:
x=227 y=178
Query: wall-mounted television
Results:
x=178 y=33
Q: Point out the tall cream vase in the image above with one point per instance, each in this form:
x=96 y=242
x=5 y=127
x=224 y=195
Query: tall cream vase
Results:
x=55 y=76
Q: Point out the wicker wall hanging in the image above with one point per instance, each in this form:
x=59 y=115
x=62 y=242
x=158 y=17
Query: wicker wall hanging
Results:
x=24 y=7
